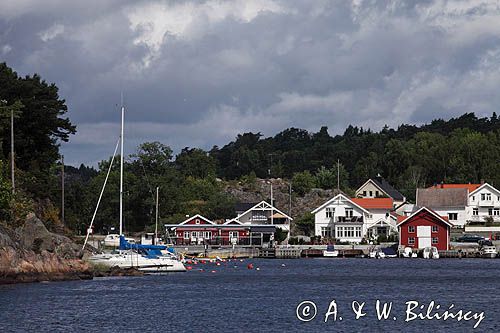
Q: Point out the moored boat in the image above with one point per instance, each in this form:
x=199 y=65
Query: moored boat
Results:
x=488 y=251
x=330 y=251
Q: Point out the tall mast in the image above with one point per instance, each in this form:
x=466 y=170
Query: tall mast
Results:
x=121 y=169
x=12 y=169
x=156 y=223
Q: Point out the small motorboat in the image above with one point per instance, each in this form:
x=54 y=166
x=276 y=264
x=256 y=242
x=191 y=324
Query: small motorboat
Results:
x=380 y=254
x=431 y=252
x=434 y=253
x=427 y=253
x=389 y=252
x=488 y=251
x=330 y=251
x=372 y=254
x=408 y=251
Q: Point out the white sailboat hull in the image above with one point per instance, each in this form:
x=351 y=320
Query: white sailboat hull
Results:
x=142 y=263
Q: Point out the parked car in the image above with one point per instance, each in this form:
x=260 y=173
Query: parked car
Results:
x=470 y=239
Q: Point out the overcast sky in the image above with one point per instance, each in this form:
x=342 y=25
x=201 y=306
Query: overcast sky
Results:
x=197 y=73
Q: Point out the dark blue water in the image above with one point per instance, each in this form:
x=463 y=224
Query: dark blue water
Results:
x=235 y=299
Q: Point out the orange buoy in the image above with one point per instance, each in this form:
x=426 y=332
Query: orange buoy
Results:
x=250 y=266
x=189 y=268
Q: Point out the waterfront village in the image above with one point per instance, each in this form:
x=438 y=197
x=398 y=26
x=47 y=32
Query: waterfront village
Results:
x=453 y=220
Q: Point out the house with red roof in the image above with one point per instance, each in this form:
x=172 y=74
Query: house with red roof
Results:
x=351 y=220
x=462 y=204
x=424 y=228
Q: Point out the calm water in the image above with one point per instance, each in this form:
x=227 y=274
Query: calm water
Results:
x=237 y=299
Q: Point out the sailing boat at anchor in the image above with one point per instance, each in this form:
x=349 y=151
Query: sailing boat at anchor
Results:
x=147 y=258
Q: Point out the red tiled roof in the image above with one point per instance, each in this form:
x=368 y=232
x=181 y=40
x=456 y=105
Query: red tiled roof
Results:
x=373 y=203
x=470 y=187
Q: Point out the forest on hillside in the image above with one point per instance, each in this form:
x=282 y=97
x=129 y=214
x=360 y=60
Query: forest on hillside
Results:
x=463 y=149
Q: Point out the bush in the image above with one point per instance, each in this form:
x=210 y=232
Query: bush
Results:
x=303 y=182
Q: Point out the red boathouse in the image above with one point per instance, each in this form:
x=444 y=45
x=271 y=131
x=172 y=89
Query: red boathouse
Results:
x=424 y=228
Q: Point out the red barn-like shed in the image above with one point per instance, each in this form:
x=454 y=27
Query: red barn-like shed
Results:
x=424 y=228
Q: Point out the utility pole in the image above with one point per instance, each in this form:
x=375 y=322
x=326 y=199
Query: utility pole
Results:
x=270 y=180
x=62 y=189
x=12 y=150
x=338 y=175
x=290 y=200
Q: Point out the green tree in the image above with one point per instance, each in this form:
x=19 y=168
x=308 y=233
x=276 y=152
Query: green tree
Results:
x=303 y=182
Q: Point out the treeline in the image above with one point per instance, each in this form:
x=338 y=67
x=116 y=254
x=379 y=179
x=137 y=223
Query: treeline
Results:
x=463 y=149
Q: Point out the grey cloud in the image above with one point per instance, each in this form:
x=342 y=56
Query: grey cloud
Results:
x=198 y=73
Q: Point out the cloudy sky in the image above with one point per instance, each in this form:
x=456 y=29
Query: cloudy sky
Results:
x=197 y=73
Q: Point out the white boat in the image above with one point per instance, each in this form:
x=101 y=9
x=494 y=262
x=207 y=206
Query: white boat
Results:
x=372 y=254
x=381 y=254
x=113 y=240
x=407 y=253
x=427 y=253
x=330 y=252
x=147 y=258
x=488 y=251
x=431 y=252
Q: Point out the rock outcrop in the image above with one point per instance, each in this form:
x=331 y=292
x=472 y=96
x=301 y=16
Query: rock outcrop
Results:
x=31 y=253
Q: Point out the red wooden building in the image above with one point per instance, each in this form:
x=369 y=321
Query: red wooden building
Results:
x=198 y=230
x=424 y=228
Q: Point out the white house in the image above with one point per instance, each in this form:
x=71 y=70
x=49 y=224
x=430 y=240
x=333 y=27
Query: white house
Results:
x=378 y=187
x=483 y=202
x=260 y=214
x=445 y=201
x=348 y=220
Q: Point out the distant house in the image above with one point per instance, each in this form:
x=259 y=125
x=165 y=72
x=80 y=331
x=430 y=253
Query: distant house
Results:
x=446 y=201
x=262 y=213
x=378 y=187
x=483 y=202
x=463 y=204
x=424 y=228
x=198 y=230
x=351 y=220
x=380 y=221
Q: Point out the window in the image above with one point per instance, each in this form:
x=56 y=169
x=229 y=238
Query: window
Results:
x=434 y=228
x=496 y=212
x=371 y=194
x=207 y=234
x=473 y=198
x=233 y=234
x=486 y=196
x=358 y=232
x=411 y=240
x=434 y=240
x=197 y=221
x=259 y=215
x=376 y=194
x=326 y=232
x=452 y=216
x=411 y=228
x=330 y=211
x=349 y=212
x=490 y=211
x=475 y=211
x=364 y=193
x=186 y=234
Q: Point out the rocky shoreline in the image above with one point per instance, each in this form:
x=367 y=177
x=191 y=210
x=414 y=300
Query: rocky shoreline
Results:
x=31 y=253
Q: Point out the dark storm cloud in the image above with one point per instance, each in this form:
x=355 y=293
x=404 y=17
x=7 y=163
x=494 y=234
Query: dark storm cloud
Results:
x=196 y=73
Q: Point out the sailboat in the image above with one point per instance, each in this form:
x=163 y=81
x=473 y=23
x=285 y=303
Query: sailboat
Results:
x=146 y=258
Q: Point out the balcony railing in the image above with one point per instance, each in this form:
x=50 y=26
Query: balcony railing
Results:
x=482 y=218
x=342 y=219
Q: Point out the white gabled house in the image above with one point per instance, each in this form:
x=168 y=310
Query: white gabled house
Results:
x=351 y=220
x=483 y=202
x=378 y=187
x=263 y=213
